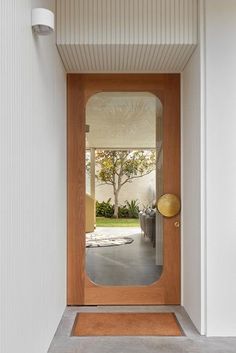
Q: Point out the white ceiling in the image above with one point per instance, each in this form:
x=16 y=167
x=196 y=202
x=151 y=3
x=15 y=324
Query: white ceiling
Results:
x=122 y=120
x=126 y=35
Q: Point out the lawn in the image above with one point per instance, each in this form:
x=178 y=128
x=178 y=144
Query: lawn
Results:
x=112 y=222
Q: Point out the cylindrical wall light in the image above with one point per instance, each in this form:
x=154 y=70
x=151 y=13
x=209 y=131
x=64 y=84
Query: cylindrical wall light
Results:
x=42 y=21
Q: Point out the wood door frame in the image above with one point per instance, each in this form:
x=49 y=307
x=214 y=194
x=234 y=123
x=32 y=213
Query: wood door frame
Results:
x=80 y=289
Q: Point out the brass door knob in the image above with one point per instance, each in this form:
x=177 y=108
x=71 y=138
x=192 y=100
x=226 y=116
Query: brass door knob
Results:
x=168 y=205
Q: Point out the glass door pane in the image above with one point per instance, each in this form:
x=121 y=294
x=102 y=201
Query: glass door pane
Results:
x=125 y=133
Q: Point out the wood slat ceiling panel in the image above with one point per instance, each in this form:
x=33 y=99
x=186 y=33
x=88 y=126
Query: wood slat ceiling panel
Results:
x=126 y=35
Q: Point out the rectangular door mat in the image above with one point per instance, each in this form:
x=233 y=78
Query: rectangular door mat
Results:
x=126 y=324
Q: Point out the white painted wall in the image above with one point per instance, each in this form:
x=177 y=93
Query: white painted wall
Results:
x=208 y=133
x=142 y=189
x=191 y=190
x=221 y=166
x=33 y=182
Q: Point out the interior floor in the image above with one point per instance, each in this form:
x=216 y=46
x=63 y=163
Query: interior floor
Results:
x=130 y=264
x=191 y=342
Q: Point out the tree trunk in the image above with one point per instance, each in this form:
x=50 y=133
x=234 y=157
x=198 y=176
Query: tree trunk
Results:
x=116 y=204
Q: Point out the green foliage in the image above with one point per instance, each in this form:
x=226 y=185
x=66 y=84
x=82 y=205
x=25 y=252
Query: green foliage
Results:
x=118 y=167
x=133 y=208
x=104 y=209
x=123 y=212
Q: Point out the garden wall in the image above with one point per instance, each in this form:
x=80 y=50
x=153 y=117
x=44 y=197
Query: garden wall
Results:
x=143 y=189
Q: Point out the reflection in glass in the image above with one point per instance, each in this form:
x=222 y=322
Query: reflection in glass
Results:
x=87 y=171
x=124 y=159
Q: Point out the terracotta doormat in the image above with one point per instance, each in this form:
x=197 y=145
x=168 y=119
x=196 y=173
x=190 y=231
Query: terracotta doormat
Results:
x=126 y=324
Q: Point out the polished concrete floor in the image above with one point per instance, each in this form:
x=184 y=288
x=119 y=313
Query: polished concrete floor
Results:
x=130 y=264
x=192 y=342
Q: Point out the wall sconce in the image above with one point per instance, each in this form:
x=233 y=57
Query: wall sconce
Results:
x=42 y=21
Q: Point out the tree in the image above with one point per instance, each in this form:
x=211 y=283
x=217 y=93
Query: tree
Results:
x=119 y=167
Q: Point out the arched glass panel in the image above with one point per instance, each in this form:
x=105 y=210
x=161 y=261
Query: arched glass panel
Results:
x=124 y=178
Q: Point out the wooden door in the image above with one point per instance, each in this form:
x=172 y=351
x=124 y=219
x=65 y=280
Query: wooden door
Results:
x=81 y=290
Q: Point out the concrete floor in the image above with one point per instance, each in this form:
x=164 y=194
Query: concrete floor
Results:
x=192 y=342
x=130 y=264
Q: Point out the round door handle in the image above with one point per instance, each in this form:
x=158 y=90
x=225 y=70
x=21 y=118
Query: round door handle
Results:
x=168 y=205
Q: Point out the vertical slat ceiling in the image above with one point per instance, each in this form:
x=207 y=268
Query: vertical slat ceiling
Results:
x=126 y=35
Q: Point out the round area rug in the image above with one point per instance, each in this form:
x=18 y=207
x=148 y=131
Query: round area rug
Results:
x=109 y=241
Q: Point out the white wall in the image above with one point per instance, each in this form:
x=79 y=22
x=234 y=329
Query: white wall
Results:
x=33 y=182
x=142 y=189
x=191 y=190
x=208 y=133
x=221 y=166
